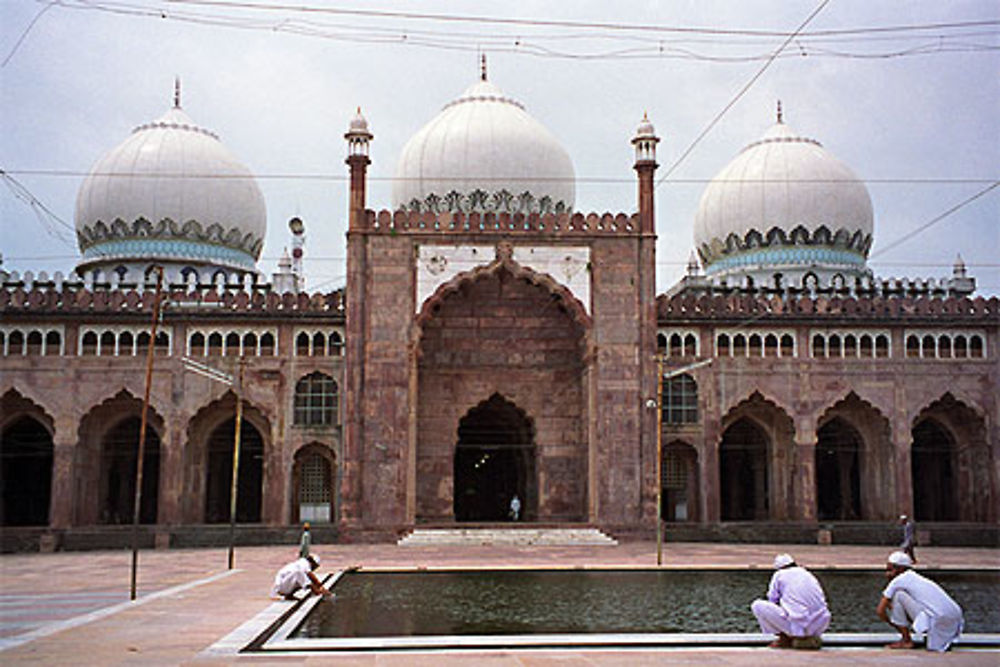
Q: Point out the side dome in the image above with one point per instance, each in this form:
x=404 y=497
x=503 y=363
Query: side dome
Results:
x=171 y=194
x=484 y=152
x=784 y=206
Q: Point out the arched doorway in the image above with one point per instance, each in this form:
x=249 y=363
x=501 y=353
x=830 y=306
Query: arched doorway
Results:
x=312 y=481
x=743 y=472
x=679 y=496
x=119 y=453
x=25 y=473
x=935 y=492
x=494 y=461
x=838 y=472
x=219 y=473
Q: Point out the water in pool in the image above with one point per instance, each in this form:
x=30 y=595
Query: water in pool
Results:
x=379 y=604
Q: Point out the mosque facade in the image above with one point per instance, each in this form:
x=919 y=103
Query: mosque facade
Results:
x=492 y=340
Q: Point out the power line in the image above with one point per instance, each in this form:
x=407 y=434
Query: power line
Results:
x=24 y=34
x=322 y=176
x=514 y=43
x=741 y=93
x=489 y=20
x=933 y=221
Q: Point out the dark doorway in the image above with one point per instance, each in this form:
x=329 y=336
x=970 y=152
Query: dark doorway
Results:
x=220 y=473
x=935 y=494
x=494 y=460
x=743 y=474
x=838 y=474
x=25 y=473
x=119 y=453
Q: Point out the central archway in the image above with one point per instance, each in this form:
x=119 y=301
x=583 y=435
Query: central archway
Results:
x=220 y=473
x=743 y=474
x=494 y=461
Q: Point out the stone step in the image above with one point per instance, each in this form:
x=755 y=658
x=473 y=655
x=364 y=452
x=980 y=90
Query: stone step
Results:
x=506 y=536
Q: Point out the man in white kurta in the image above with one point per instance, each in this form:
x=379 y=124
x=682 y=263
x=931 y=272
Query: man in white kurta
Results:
x=296 y=576
x=795 y=606
x=912 y=601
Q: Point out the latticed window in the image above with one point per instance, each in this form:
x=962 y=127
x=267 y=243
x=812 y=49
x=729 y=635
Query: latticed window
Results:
x=675 y=474
x=315 y=488
x=315 y=400
x=680 y=400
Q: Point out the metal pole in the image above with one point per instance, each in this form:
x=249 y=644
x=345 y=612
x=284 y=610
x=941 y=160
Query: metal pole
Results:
x=236 y=462
x=659 y=459
x=142 y=431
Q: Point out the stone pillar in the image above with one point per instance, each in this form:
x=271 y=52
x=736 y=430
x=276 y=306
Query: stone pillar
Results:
x=171 y=471
x=63 y=486
x=804 y=483
x=904 y=472
x=711 y=494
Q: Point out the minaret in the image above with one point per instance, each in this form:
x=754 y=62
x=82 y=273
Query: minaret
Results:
x=358 y=138
x=645 y=141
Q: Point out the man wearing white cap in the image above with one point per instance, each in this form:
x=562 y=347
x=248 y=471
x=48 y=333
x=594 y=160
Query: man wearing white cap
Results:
x=296 y=576
x=795 y=608
x=914 y=601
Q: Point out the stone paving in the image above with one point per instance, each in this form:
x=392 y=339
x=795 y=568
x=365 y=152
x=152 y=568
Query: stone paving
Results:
x=73 y=608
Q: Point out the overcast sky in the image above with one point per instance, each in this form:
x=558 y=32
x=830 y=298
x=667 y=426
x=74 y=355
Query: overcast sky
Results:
x=913 y=112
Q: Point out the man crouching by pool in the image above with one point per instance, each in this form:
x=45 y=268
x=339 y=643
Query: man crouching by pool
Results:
x=795 y=608
x=298 y=575
x=914 y=601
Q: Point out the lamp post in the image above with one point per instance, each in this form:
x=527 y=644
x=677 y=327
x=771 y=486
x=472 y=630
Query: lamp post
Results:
x=141 y=454
x=216 y=375
x=658 y=404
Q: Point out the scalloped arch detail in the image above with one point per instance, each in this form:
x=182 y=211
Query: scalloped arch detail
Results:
x=756 y=397
x=503 y=263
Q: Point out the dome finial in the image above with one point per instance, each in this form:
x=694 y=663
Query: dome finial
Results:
x=780 y=116
x=177 y=92
x=482 y=66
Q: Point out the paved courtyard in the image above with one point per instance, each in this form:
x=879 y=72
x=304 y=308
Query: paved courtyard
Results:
x=73 y=608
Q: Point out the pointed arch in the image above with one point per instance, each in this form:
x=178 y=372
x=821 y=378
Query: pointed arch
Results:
x=755 y=449
x=313 y=484
x=952 y=466
x=855 y=462
x=208 y=462
x=26 y=458
x=680 y=481
x=106 y=462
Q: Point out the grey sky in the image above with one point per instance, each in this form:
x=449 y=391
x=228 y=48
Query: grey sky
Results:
x=280 y=100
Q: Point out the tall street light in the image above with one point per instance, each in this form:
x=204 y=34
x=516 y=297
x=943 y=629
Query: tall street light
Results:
x=658 y=404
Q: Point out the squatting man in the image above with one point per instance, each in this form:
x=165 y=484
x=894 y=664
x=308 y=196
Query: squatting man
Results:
x=298 y=575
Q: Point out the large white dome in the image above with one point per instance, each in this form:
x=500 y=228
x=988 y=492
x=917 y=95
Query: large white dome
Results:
x=784 y=201
x=484 y=152
x=171 y=194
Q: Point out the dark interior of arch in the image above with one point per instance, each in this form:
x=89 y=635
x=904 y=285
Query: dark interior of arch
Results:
x=838 y=472
x=119 y=453
x=935 y=490
x=494 y=460
x=743 y=473
x=25 y=473
x=220 y=473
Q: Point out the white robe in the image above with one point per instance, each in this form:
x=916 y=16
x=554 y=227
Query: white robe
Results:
x=919 y=603
x=795 y=605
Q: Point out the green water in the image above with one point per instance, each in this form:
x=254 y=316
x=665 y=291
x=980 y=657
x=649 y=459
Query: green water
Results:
x=608 y=601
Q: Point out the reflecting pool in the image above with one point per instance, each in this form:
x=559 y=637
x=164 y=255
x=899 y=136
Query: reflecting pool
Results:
x=524 y=602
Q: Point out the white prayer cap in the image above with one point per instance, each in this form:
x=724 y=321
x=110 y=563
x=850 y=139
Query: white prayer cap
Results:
x=902 y=517
x=900 y=559
x=783 y=560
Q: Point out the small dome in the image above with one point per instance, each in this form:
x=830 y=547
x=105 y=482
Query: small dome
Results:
x=781 y=191
x=484 y=152
x=645 y=129
x=170 y=193
x=358 y=125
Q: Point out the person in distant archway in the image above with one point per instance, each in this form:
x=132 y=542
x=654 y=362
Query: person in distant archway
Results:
x=515 y=508
x=795 y=608
x=912 y=601
x=298 y=575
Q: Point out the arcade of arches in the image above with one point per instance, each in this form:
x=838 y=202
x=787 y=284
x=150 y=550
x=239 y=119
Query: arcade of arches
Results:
x=103 y=466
